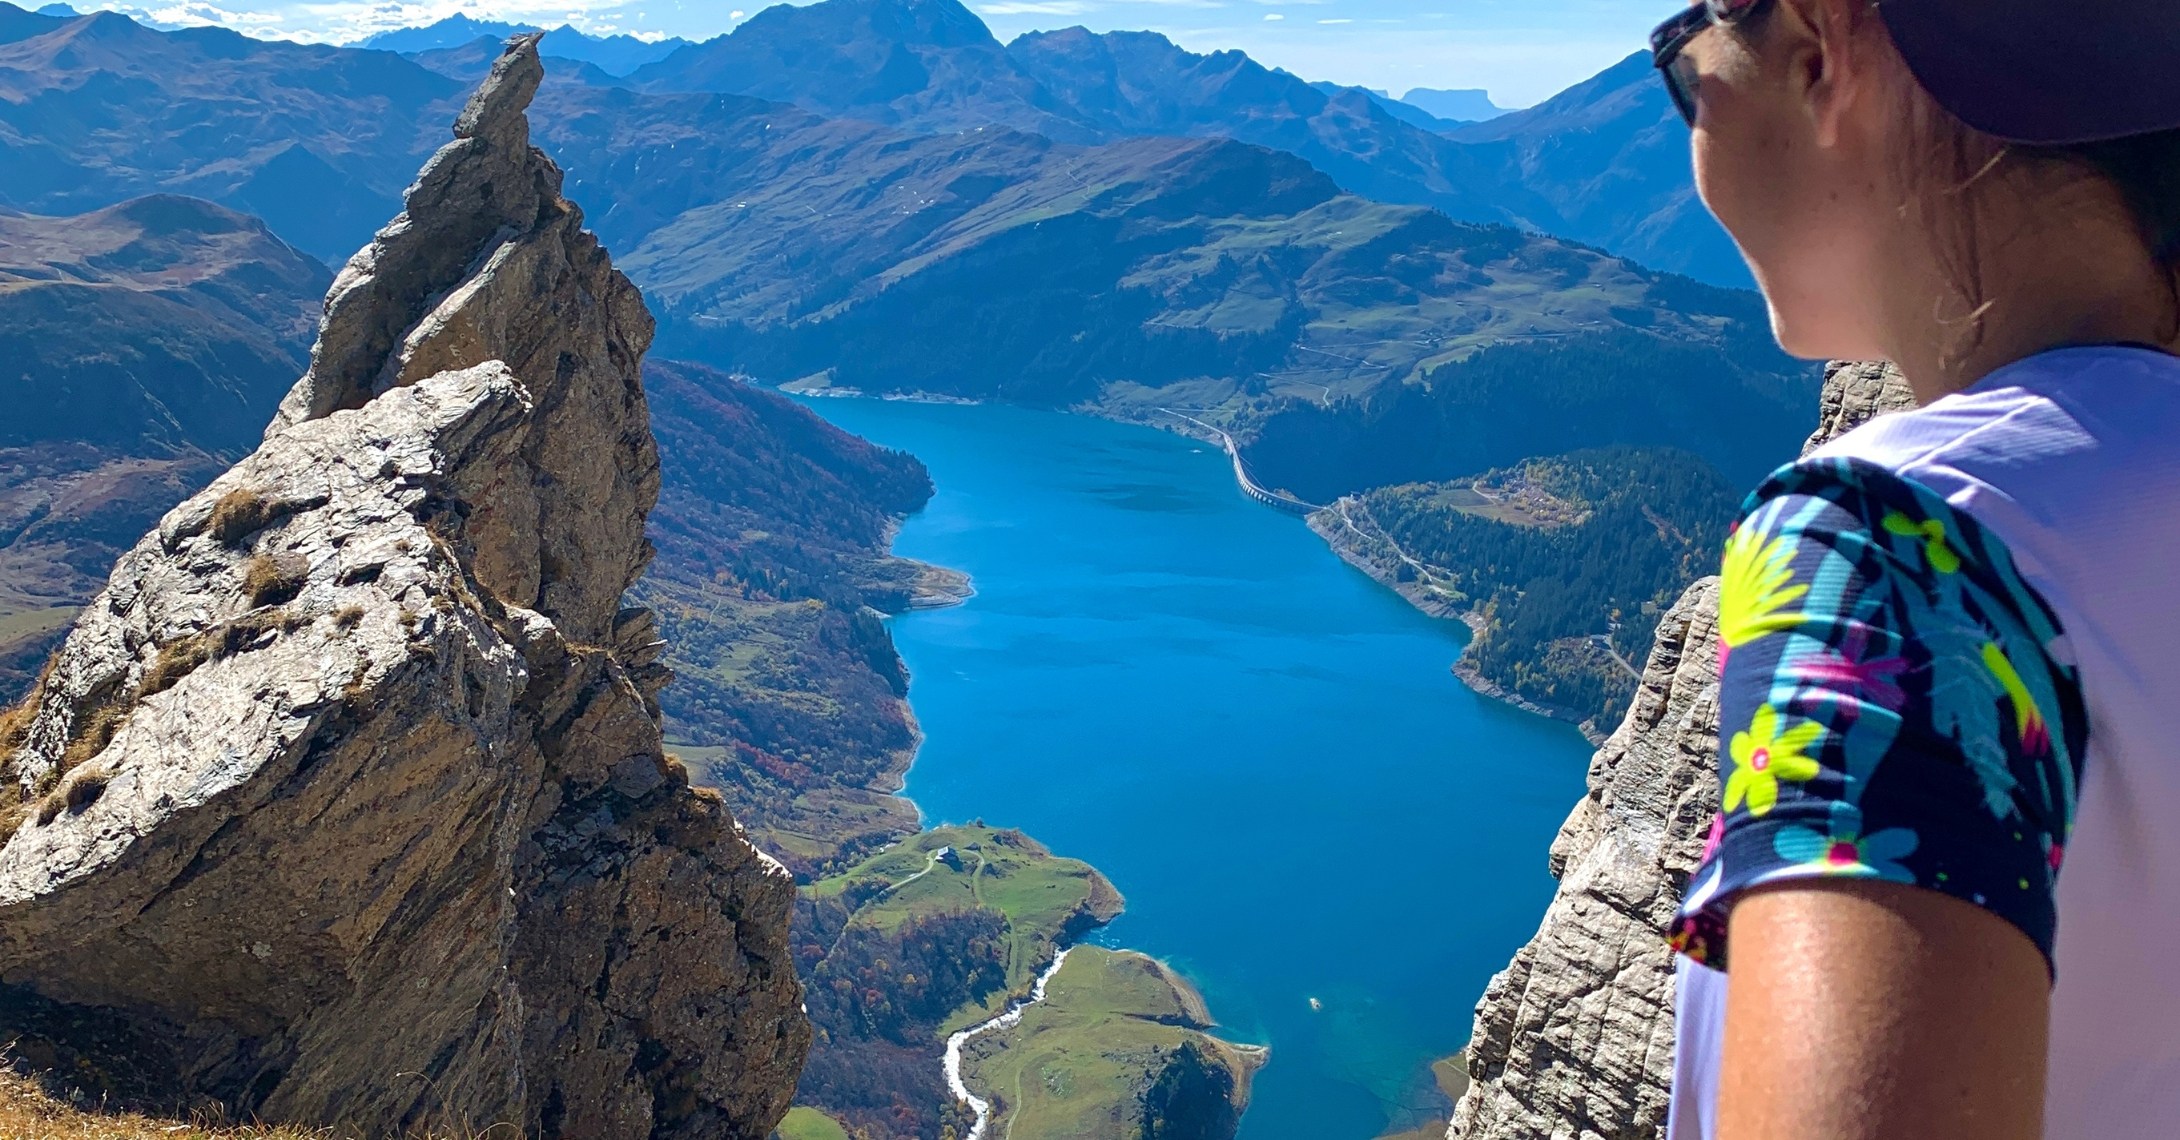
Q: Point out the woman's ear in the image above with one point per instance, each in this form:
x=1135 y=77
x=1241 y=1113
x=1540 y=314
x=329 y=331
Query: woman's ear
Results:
x=1817 y=44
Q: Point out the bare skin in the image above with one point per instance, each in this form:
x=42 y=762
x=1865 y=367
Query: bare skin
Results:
x=1875 y=1011
x=1861 y=1011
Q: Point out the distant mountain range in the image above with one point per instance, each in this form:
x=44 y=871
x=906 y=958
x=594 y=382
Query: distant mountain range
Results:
x=1603 y=163
x=614 y=55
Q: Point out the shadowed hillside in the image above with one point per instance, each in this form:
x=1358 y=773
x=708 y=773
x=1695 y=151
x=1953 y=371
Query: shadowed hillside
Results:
x=142 y=347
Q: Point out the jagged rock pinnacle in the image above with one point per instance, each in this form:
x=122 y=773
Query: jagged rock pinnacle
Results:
x=497 y=107
x=346 y=800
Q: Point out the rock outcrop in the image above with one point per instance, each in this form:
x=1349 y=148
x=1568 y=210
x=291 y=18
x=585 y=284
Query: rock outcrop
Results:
x=345 y=801
x=1574 y=1039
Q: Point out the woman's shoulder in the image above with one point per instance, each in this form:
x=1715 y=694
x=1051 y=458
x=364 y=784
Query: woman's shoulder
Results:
x=2077 y=415
x=2069 y=457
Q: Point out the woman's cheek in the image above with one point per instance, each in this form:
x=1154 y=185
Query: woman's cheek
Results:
x=1750 y=178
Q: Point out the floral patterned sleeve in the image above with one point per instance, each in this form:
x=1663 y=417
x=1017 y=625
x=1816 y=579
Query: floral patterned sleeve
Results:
x=1895 y=703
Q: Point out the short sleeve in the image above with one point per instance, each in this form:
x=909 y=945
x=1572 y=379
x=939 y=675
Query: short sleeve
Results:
x=1894 y=703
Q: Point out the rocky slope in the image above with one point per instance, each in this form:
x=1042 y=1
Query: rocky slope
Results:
x=1575 y=1036
x=142 y=347
x=345 y=802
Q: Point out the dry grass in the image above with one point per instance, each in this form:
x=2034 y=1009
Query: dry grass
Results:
x=15 y=722
x=240 y=514
x=94 y=730
x=273 y=579
x=27 y=1112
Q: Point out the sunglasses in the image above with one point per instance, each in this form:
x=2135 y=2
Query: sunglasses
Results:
x=1670 y=37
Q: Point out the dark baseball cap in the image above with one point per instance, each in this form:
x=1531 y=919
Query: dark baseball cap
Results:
x=2045 y=72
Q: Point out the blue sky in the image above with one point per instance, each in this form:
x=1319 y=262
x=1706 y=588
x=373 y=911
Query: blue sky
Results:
x=1519 y=51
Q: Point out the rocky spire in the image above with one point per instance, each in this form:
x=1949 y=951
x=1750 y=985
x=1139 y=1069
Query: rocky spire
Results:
x=345 y=803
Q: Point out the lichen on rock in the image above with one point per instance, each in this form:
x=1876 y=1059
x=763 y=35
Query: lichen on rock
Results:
x=1574 y=1039
x=346 y=798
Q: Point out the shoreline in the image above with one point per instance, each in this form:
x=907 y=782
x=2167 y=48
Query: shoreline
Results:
x=941 y=587
x=1335 y=525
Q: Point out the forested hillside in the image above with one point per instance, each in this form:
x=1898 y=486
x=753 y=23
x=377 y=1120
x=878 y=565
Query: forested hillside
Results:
x=771 y=531
x=1521 y=399
x=1568 y=560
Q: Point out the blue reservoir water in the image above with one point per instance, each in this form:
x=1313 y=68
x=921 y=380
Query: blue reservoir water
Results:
x=1261 y=747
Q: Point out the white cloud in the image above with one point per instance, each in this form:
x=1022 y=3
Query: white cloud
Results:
x=1273 y=16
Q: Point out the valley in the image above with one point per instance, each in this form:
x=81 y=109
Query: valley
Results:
x=1295 y=795
x=1503 y=355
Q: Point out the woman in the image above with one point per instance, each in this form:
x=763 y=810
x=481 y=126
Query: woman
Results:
x=1950 y=640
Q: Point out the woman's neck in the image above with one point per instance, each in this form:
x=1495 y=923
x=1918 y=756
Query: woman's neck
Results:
x=2087 y=279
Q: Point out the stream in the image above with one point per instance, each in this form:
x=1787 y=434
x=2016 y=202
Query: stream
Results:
x=1007 y=1020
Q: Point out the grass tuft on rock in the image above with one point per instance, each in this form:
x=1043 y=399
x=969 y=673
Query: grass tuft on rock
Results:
x=272 y=579
x=240 y=514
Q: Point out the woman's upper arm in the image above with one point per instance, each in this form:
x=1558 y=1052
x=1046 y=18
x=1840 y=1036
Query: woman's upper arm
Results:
x=1865 y=1010
x=1901 y=742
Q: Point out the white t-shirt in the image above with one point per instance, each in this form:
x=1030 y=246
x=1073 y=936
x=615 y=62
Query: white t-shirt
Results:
x=2072 y=459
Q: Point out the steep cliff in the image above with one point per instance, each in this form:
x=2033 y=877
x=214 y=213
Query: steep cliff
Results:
x=345 y=802
x=1575 y=1037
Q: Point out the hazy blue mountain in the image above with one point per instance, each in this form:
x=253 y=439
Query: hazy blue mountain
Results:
x=472 y=61
x=1406 y=112
x=317 y=140
x=61 y=10
x=1463 y=105
x=17 y=24
x=1611 y=156
x=454 y=31
x=927 y=64
x=1141 y=83
x=614 y=55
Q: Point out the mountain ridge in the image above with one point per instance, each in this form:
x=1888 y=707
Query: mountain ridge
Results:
x=613 y=55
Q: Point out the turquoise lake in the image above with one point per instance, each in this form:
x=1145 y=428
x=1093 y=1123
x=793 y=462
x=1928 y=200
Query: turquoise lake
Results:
x=1261 y=747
